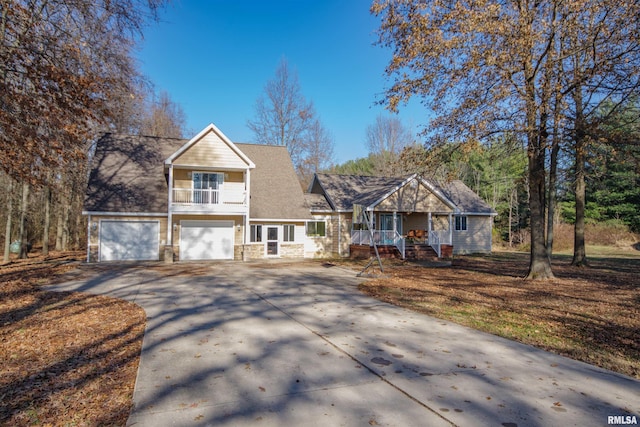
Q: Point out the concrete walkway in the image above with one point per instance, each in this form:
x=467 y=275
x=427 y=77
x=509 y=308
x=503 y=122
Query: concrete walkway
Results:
x=292 y=344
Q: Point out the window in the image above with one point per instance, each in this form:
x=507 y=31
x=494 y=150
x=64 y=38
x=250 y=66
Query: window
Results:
x=461 y=223
x=316 y=228
x=256 y=233
x=289 y=232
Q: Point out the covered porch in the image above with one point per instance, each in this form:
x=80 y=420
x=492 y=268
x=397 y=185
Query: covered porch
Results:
x=408 y=232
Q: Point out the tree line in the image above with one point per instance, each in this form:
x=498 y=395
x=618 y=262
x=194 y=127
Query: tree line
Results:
x=67 y=74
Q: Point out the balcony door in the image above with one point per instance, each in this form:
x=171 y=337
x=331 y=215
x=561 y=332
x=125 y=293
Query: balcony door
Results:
x=206 y=187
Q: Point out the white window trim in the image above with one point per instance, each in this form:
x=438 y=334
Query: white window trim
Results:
x=461 y=220
x=306 y=225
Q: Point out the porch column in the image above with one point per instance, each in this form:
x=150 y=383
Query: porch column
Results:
x=429 y=219
x=451 y=229
x=168 y=246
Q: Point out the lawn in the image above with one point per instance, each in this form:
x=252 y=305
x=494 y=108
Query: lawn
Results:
x=589 y=314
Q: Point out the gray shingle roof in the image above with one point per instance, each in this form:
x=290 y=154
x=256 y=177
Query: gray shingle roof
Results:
x=127 y=174
x=465 y=198
x=275 y=190
x=346 y=190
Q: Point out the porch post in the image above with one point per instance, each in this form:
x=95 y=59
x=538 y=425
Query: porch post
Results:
x=429 y=219
x=170 y=201
x=451 y=229
x=247 y=224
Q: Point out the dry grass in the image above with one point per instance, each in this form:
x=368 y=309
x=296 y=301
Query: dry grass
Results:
x=68 y=359
x=589 y=314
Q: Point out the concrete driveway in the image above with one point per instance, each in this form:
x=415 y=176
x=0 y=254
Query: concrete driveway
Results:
x=291 y=344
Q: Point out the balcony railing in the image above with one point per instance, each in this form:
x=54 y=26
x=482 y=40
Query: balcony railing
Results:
x=209 y=199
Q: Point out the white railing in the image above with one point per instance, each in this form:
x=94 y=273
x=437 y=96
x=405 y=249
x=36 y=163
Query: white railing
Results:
x=188 y=196
x=437 y=239
x=381 y=237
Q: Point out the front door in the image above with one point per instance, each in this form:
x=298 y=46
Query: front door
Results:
x=272 y=241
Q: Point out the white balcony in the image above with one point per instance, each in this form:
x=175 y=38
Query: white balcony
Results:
x=209 y=201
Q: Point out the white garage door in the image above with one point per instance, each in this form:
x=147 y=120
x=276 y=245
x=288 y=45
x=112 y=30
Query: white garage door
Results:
x=129 y=240
x=201 y=240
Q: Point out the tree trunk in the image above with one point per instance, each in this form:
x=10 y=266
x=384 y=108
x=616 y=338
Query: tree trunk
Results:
x=7 y=230
x=65 y=226
x=579 y=251
x=47 y=221
x=540 y=263
x=60 y=221
x=23 y=219
x=553 y=194
x=510 y=217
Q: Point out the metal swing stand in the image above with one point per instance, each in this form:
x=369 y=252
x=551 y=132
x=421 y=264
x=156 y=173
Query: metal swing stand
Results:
x=372 y=260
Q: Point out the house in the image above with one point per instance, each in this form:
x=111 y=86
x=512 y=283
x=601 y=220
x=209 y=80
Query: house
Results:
x=402 y=212
x=208 y=198
x=205 y=198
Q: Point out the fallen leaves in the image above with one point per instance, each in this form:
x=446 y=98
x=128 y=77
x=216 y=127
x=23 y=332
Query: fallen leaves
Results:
x=67 y=358
x=589 y=314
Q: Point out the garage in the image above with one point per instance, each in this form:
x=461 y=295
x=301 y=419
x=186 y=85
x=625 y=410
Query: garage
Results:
x=203 y=240
x=125 y=240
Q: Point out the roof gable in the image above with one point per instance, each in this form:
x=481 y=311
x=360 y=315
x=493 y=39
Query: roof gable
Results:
x=411 y=193
x=210 y=148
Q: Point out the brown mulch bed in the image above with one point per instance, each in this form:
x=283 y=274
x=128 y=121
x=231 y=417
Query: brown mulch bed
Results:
x=590 y=314
x=66 y=358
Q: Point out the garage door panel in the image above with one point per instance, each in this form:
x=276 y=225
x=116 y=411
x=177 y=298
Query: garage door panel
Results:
x=129 y=240
x=203 y=240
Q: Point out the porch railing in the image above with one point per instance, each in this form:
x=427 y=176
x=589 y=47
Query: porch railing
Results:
x=381 y=237
x=437 y=239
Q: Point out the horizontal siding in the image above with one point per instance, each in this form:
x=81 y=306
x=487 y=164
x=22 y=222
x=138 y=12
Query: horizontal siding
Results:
x=477 y=237
x=210 y=151
x=409 y=199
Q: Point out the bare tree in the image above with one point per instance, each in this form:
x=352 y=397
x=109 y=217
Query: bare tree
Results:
x=284 y=117
x=319 y=152
x=385 y=139
x=164 y=118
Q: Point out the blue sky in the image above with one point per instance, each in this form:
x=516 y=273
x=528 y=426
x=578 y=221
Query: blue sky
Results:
x=215 y=57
